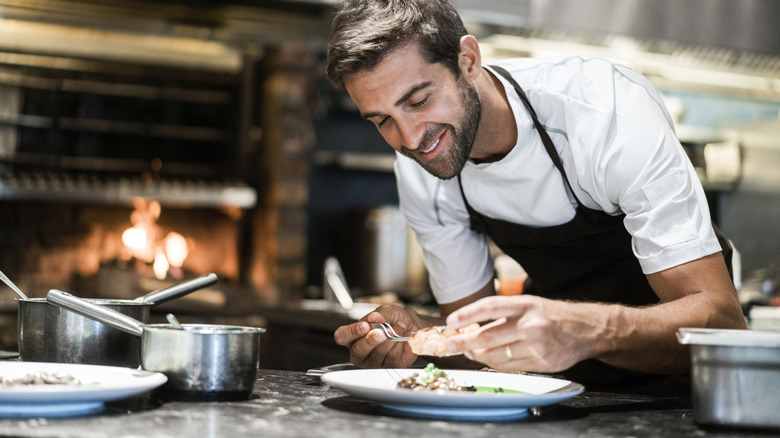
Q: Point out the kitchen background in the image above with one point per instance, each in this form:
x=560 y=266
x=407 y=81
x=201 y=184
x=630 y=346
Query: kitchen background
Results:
x=142 y=143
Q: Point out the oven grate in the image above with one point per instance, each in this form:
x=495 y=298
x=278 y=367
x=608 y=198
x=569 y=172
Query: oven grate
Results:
x=123 y=190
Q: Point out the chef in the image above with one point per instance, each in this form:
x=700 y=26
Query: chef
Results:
x=569 y=165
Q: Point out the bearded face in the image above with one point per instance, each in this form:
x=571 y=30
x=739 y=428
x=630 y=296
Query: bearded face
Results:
x=450 y=162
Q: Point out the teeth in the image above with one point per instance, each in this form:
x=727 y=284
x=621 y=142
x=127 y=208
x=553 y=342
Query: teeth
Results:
x=433 y=146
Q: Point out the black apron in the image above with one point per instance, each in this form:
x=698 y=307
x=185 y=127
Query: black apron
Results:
x=590 y=258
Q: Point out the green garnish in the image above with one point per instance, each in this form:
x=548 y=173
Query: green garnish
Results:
x=432 y=378
x=429 y=374
x=492 y=390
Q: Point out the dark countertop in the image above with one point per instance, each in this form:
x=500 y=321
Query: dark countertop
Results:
x=292 y=404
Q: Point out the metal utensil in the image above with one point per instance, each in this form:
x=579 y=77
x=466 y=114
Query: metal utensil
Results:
x=389 y=332
x=11 y=284
x=335 y=288
x=316 y=372
x=166 y=294
x=174 y=322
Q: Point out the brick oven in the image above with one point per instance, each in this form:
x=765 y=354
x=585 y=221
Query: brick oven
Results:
x=195 y=144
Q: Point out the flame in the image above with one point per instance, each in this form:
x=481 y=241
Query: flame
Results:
x=160 y=265
x=143 y=243
x=134 y=238
x=175 y=248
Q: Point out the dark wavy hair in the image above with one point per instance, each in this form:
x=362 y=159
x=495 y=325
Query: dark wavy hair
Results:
x=365 y=31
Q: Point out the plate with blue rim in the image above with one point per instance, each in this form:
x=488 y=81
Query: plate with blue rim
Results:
x=500 y=396
x=93 y=386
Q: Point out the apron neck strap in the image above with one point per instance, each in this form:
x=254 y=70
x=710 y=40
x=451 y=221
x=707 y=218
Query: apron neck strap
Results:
x=546 y=140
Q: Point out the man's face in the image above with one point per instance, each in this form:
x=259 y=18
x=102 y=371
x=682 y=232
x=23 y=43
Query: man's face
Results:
x=420 y=109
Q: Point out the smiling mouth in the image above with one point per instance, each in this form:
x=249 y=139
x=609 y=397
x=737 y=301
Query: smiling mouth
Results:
x=434 y=145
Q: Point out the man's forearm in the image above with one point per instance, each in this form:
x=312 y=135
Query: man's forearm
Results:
x=644 y=339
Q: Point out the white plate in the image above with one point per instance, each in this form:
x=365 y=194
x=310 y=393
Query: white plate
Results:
x=379 y=385
x=99 y=384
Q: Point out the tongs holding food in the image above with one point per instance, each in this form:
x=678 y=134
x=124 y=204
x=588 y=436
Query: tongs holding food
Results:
x=389 y=332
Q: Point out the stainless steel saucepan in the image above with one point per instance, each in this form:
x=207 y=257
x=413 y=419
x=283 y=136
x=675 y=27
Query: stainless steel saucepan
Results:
x=201 y=361
x=47 y=333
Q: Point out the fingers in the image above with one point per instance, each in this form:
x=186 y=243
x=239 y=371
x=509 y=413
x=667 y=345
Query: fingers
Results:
x=490 y=308
x=398 y=356
x=394 y=315
x=525 y=334
x=370 y=348
x=503 y=358
x=346 y=335
x=492 y=335
x=506 y=316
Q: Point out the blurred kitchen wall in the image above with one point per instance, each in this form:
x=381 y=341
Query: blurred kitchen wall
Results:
x=349 y=163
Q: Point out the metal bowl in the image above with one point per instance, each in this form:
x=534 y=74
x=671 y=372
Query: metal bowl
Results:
x=735 y=376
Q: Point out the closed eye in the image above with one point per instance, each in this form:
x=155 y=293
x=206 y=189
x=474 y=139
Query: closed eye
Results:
x=420 y=103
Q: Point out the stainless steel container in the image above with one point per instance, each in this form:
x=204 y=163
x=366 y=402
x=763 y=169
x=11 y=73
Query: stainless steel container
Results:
x=735 y=377
x=202 y=362
x=47 y=333
x=390 y=257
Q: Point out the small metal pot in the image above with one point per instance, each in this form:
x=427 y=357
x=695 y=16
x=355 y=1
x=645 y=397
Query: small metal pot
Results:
x=735 y=376
x=201 y=361
x=47 y=333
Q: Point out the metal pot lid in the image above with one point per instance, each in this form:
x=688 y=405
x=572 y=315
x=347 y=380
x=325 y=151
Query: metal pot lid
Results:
x=728 y=337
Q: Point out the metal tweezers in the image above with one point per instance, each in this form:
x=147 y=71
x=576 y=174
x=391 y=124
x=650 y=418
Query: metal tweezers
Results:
x=388 y=331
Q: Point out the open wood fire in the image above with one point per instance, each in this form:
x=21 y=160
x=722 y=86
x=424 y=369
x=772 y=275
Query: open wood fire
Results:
x=147 y=243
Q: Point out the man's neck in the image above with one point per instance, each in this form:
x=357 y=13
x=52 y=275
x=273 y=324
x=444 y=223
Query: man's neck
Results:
x=497 y=132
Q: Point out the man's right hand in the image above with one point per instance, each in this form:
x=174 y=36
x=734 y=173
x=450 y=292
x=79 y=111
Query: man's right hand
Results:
x=370 y=348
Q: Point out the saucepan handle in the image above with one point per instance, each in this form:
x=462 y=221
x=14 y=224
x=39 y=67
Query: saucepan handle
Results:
x=175 y=291
x=102 y=314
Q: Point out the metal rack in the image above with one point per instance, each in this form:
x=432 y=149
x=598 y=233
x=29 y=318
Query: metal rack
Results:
x=107 y=130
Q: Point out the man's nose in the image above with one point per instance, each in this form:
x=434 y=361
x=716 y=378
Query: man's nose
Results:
x=411 y=132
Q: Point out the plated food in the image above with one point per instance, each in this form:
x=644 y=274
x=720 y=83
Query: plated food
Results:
x=45 y=389
x=39 y=378
x=432 y=341
x=432 y=379
x=498 y=396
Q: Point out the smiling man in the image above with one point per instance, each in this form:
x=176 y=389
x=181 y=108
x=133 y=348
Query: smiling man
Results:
x=409 y=122
x=570 y=165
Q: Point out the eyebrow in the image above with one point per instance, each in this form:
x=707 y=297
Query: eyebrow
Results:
x=401 y=100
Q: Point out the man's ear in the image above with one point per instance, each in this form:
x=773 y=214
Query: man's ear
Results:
x=469 y=58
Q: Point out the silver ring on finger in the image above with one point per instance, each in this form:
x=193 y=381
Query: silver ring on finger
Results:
x=508 y=352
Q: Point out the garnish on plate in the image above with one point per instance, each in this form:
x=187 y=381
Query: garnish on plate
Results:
x=433 y=379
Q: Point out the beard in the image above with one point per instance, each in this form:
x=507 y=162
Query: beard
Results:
x=448 y=163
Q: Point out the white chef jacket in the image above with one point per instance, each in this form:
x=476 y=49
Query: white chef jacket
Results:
x=620 y=152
